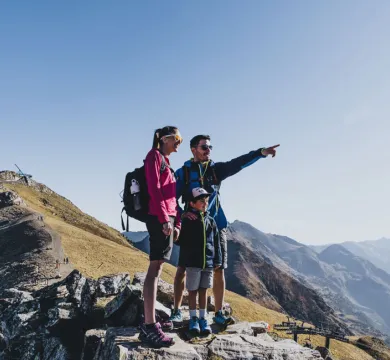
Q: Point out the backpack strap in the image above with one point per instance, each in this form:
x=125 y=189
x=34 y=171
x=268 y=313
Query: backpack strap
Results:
x=164 y=164
x=216 y=181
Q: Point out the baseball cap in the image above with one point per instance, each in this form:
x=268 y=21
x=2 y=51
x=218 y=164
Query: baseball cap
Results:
x=198 y=193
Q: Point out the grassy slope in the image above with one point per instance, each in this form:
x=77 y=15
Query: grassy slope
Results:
x=96 y=250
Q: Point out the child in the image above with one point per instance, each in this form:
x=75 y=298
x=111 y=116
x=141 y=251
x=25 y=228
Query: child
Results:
x=200 y=252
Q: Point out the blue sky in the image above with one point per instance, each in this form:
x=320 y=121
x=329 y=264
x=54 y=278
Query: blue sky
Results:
x=84 y=84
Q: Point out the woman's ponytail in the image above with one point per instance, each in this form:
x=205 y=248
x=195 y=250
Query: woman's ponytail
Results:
x=156 y=139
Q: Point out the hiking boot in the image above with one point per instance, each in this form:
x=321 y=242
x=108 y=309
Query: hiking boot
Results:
x=176 y=317
x=165 y=324
x=194 y=325
x=154 y=336
x=222 y=320
x=204 y=326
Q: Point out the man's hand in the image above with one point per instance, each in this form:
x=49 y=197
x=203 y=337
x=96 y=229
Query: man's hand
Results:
x=189 y=215
x=269 y=151
x=167 y=228
x=176 y=233
x=216 y=267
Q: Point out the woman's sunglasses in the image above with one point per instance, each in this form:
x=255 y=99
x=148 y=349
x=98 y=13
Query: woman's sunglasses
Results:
x=176 y=136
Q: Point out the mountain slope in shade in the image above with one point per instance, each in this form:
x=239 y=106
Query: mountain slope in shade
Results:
x=344 y=284
x=257 y=278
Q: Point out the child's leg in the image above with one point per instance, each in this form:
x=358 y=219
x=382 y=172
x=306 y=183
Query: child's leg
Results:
x=202 y=302
x=192 y=302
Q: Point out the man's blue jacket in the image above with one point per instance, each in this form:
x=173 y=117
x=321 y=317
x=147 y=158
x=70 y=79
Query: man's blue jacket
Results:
x=209 y=176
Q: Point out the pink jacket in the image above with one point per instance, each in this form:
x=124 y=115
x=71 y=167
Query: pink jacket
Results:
x=161 y=188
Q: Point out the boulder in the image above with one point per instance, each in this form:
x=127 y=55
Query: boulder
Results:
x=123 y=343
x=124 y=309
x=112 y=284
x=245 y=347
x=9 y=198
x=92 y=340
x=325 y=353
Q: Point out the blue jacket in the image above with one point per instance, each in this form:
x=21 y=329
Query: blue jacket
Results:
x=211 y=183
x=199 y=242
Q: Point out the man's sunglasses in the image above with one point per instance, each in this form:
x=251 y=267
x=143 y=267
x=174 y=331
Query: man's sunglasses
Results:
x=206 y=147
x=177 y=137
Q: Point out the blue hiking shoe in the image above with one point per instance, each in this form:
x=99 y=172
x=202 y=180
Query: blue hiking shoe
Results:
x=204 y=326
x=194 y=325
x=176 y=317
x=222 y=320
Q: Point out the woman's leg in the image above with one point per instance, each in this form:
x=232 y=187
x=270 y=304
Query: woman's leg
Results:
x=150 y=290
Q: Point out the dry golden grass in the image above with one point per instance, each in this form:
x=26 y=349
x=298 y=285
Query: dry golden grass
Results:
x=53 y=205
x=96 y=250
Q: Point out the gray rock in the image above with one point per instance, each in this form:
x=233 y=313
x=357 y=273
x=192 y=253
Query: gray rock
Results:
x=240 y=328
x=325 y=353
x=128 y=303
x=112 y=284
x=75 y=283
x=162 y=311
x=165 y=293
x=210 y=303
x=244 y=347
x=92 y=341
x=17 y=296
x=202 y=350
x=61 y=314
x=53 y=349
x=26 y=348
x=9 y=198
x=88 y=296
x=3 y=342
x=123 y=344
x=259 y=327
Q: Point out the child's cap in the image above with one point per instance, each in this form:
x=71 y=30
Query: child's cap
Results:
x=198 y=193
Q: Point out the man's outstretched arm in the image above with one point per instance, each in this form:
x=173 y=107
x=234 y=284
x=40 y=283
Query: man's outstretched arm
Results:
x=225 y=169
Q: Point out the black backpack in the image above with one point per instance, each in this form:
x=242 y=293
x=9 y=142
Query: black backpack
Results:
x=138 y=175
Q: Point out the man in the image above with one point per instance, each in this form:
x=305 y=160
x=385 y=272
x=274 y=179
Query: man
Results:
x=201 y=171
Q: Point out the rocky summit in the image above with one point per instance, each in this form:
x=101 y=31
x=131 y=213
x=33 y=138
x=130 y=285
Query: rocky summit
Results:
x=82 y=318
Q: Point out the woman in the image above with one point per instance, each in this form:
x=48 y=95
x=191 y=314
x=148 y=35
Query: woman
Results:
x=163 y=225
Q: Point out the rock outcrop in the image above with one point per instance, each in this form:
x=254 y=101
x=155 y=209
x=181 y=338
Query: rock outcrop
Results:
x=91 y=319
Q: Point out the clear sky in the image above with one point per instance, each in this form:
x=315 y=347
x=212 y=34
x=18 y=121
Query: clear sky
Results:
x=83 y=85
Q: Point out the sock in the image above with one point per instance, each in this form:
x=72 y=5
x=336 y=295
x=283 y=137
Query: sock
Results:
x=150 y=326
x=202 y=313
x=192 y=313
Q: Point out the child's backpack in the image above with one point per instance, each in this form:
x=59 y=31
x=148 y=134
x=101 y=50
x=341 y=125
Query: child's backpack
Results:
x=135 y=194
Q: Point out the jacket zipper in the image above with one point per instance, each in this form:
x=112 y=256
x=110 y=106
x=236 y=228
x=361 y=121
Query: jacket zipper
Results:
x=204 y=238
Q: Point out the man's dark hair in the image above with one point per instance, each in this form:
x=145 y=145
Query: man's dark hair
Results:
x=196 y=139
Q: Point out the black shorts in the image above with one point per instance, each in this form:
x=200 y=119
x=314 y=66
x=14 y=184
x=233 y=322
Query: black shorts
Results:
x=223 y=239
x=160 y=244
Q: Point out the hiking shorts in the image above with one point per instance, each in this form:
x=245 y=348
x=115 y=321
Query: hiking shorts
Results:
x=199 y=278
x=160 y=244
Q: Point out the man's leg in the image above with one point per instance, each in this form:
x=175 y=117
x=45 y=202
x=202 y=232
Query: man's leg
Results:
x=178 y=286
x=219 y=288
x=219 y=274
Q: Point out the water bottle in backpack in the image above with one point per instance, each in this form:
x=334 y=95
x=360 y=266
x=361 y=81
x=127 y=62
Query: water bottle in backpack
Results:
x=135 y=194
